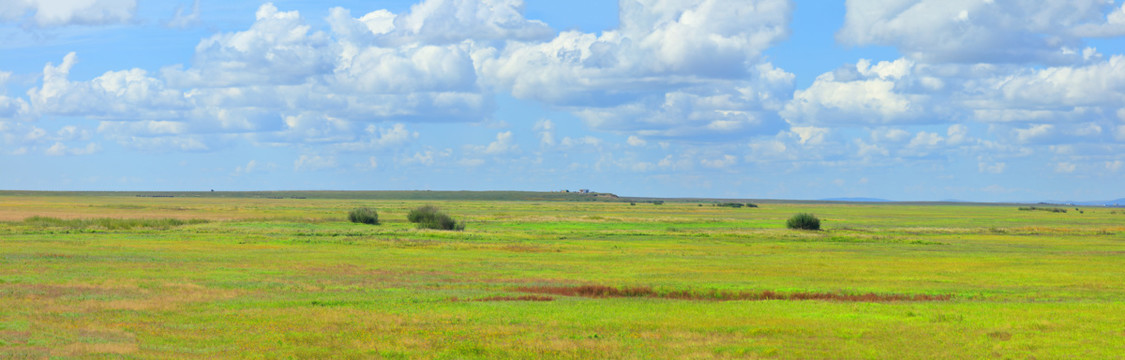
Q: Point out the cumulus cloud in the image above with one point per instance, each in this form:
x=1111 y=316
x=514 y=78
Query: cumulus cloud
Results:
x=865 y=94
x=992 y=168
x=452 y=21
x=115 y=94
x=1019 y=31
x=504 y=144
x=636 y=141
x=667 y=71
x=546 y=130
x=253 y=166
x=314 y=163
x=184 y=19
x=721 y=162
x=52 y=13
x=1065 y=167
x=60 y=149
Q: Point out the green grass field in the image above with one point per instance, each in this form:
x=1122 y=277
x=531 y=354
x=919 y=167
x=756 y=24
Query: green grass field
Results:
x=119 y=276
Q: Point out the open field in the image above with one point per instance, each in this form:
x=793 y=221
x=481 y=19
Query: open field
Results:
x=290 y=278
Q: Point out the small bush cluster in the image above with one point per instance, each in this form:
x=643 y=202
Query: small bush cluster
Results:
x=429 y=217
x=364 y=215
x=1033 y=208
x=803 y=221
x=736 y=205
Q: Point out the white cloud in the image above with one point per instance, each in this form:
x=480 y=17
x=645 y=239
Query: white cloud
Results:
x=636 y=141
x=867 y=150
x=504 y=144
x=253 y=166
x=427 y=157
x=979 y=31
x=665 y=72
x=810 y=135
x=724 y=161
x=129 y=94
x=278 y=49
x=1034 y=133
x=184 y=20
x=1097 y=84
x=314 y=163
x=452 y=21
x=1065 y=167
x=926 y=140
x=51 y=13
x=890 y=135
x=992 y=168
x=586 y=142
x=957 y=134
x=60 y=149
x=1114 y=166
x=471 y=162
x=546 y=130
x=864 y=95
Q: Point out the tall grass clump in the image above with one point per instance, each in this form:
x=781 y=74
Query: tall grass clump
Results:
x=803 y=221
x=429 y=217
x=364 y=215
x=108 y=223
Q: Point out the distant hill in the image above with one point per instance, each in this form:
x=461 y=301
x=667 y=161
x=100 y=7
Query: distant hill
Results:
x=1118 y=203
x=857 y=199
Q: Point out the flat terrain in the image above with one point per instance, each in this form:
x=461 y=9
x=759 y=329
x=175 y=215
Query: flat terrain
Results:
x=121 y=276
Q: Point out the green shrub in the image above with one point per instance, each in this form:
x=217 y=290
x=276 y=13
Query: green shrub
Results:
x=364 y=215
x=803 y=221
x=429 y=217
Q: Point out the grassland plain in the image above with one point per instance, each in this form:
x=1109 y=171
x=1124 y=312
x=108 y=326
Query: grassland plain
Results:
x=109 y=276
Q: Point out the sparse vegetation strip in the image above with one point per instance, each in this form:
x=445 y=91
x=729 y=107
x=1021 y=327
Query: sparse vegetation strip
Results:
x=108 y=223
x=602 y=291
x=1035 y=208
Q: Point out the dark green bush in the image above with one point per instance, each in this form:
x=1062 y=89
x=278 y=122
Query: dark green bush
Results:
x=364 y=215
x=429 y=217
x=803 y=221
x=422 y=214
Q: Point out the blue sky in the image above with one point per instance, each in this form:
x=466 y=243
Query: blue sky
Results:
x=984 y=100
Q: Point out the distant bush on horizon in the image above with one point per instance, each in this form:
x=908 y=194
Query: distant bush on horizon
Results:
x=1034 y=208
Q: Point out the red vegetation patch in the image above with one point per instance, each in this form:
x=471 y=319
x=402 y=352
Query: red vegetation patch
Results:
x=601 y=291
x=510 y=298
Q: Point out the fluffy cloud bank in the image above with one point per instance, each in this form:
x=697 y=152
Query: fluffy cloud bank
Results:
x=49 y=13
x=1004 y=79
x=672 y=69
